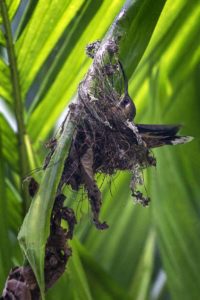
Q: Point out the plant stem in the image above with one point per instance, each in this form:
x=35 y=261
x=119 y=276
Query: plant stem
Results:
x=18 y=106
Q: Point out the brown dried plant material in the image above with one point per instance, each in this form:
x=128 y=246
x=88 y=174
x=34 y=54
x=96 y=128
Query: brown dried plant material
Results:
x=106 y=139
x=21 y=283
x=32 y=186
x=57 y=250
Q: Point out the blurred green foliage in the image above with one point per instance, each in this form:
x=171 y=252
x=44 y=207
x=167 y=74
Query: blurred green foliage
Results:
x=147 y=253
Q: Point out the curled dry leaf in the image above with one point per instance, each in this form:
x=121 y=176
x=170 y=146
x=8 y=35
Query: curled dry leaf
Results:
x=21 y=283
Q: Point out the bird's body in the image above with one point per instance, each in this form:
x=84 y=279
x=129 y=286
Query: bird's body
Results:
x=161 y=135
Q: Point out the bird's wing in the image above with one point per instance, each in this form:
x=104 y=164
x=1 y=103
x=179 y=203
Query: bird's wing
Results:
x=160 y=135
x=164 y=130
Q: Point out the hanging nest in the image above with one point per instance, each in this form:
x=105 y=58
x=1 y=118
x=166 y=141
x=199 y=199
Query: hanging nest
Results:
x=106 y=139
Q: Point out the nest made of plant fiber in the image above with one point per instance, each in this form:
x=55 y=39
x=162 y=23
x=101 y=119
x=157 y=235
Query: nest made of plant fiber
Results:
x=110 y=147
x=105 y=140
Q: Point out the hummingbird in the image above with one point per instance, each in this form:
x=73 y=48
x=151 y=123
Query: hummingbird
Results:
x=153 y=135
x=126 y=104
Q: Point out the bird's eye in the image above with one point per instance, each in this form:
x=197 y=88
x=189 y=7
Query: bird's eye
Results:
x=125 y=101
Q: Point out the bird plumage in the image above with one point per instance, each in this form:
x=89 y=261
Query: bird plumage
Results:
x=160 y=135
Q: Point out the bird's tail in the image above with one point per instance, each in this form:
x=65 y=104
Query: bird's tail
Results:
x=160 y=135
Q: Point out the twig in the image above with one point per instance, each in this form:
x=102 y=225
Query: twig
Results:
x=18 y=105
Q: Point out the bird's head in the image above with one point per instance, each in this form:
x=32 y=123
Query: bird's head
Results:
x=128 y=107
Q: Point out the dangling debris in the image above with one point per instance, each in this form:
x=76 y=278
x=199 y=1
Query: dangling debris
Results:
x=21 y=283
